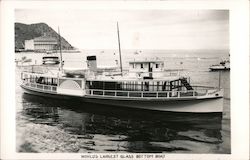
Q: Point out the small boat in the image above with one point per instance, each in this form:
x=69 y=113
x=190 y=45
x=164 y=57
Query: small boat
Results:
x=50 y=60
x=146 y=85
x=224 y=65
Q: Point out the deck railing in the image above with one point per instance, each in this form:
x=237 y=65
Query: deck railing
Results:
x=40 y=69
x=132 y=94
x=41 y=87
x=149 y=94
x=164 y=73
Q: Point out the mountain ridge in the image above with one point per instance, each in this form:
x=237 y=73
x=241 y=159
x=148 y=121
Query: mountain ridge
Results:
x=30 y=31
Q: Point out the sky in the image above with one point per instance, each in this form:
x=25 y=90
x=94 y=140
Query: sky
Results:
x=139 y=29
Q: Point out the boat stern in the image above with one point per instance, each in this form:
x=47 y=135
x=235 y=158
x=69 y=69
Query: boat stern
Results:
x=214 y=100
x=215 y=93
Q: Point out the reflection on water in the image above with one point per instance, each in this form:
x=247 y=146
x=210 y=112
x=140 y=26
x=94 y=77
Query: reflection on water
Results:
x=131 y=129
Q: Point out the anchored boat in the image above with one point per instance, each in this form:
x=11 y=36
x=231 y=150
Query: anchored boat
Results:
x=224 y=65
x=146 y=85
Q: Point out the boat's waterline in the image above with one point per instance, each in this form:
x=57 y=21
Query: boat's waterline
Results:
x=191 y=106
x=200 y=104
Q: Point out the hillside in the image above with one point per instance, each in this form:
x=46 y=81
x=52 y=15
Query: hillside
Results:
x=26 y=32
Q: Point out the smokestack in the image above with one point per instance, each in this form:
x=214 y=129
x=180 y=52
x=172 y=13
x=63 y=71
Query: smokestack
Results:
x=91 y=63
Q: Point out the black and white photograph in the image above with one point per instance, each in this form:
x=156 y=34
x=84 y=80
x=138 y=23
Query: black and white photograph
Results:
x=123 y=81
x=127 y=83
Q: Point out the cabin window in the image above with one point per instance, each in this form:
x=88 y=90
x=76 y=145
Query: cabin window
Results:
x=46 y=80
x=87 y=85
x=125 y=85
x=157 y=88
x=31 y=79
x=141 y=65
x=109 y=85
x=54 y=81
x=156 y=65
x=96 y=85
x=49 y=81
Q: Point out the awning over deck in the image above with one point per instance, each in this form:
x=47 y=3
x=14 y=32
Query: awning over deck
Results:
x=123 y=79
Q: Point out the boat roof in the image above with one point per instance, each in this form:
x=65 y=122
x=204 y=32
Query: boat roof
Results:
x=42 y=74
x=147 y=61
x=106 y=78
x=54 y=57
x=122 y=79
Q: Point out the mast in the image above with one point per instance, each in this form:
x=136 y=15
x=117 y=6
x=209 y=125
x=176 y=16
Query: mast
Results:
x=119 y=47
x=219 y=79
x=60 y=49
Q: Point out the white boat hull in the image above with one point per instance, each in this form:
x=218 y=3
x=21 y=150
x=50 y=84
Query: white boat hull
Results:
x=202 y=105
x=209 y=105
x=219 y=68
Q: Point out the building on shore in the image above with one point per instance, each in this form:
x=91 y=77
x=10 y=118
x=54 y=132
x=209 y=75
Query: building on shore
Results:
x=43 y=43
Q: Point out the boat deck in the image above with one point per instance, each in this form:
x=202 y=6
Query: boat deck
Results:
x=151 y=94
x=189 y=94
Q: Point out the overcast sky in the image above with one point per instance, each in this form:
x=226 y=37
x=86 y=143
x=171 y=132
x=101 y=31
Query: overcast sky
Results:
x=139 y=29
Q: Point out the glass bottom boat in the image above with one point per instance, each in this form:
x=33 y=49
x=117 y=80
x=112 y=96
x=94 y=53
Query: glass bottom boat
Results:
x=169 y=93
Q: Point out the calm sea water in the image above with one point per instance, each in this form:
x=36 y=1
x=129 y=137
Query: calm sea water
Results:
x=55 y=125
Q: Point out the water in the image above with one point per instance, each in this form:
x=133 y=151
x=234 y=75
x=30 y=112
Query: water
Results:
x=53 y=125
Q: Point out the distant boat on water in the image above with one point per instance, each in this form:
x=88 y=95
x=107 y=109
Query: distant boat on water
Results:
x=224 y=65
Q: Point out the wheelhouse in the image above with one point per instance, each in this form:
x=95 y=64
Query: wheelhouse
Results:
x=146 y=69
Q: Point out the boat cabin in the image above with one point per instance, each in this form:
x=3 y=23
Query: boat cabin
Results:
x=143 y=88
x=146 y=69
x=39 y=79
x=145 y=85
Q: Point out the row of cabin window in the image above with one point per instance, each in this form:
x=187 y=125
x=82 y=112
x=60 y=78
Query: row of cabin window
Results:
x=142 y=65
x=134 y=86
x=44 y=80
